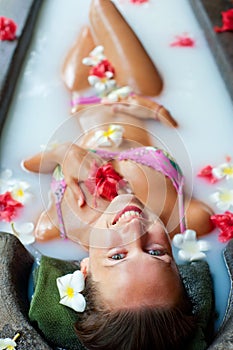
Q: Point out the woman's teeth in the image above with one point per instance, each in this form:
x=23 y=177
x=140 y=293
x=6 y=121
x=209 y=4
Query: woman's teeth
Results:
x=127 y=215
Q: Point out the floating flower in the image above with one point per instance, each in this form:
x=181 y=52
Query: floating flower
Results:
x=95 y=56
x=8 y=343
x=191 y=249
x=138 y=1
x=207 y=173
x=223 y=198
x=227 y=22
x=24 y=232
x=223 y=170
x=102 y=85
x=225 y=224
x=69 y=287
x=111 y=137
x=7 y=29
x=50 y=146
x=118 y=94
x=8 y=207
x=104 y=181
x=183 y=41
x=103 y=69
x=20 y=192
x=18 y=189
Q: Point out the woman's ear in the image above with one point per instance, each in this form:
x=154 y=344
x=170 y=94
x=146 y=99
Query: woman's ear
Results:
x=84 y=266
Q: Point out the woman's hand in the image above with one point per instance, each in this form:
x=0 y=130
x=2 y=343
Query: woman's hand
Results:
x=152 y=110
x=75 y=162
x=76 y=165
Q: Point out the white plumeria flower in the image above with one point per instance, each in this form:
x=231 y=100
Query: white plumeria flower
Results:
x=24 y=232
x=223 y=170
x=95 y=56
x=20 y=193
x=191 y=249
x=223 y=198
x=50 y=146
x=107 y=138
x=18 y=189
x=102 y=85
x=8 y=343
x=116 y=95
x=69 y=287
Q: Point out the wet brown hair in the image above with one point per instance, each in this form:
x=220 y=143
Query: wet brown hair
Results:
x=141 y=328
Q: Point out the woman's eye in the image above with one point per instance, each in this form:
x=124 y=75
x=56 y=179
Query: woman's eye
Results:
x=156 y=252
x=118 y=256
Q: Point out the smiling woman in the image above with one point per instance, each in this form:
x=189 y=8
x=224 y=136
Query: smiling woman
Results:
x=121 y=201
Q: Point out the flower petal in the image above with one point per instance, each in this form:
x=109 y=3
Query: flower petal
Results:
x=217 y=172
x=214 y=197
x=62 y=283
x=5 y=343
x=223 y=206
x=184 y=256
x=198 y=256
x=178 y=240
x=77 y=303
x=190 y=235
x=77 y=281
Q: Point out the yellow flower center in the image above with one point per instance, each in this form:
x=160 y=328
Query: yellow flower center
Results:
x=109 y=132
x=70 y=292
x=191 y=247
x=226 y=197
x=19 y=192
x=228 y=171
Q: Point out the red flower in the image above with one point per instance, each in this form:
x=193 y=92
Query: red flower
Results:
x=183 y=41
x=107 y=180
x=206 y=173
x=225 y=223
x=104 y=181
x=8 y=207
x=227 y=22
x=138 y=1
x=7 y=29
x=101 y=68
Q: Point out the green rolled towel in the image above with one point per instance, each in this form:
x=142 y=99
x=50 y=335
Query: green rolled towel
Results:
x=56 y=321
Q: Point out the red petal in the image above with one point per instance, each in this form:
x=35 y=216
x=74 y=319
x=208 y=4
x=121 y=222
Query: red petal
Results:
x=184 y=41
x=225 y=224
x=206 y=173
x=8 y=207
x=227 y=22
x=7 y=29
x=101 y=68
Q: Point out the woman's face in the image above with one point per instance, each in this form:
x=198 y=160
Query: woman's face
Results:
x=130 y=257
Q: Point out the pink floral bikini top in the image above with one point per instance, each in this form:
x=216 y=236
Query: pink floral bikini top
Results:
x=152 y=157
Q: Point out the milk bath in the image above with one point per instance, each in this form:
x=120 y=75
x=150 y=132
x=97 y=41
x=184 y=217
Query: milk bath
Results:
x=194 y=93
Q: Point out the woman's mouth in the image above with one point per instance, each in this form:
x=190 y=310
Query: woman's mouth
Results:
x=127 y=214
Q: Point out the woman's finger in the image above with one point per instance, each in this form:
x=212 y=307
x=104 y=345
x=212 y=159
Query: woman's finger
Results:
x=77 y=192
x=144 y=108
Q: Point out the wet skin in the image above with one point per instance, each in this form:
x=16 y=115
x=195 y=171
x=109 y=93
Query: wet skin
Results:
x=130 y=257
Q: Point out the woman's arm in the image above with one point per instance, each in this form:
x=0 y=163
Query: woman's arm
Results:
x=151 y=110
x=74 y=160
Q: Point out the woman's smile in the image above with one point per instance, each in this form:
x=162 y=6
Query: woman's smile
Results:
x=127 y=214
